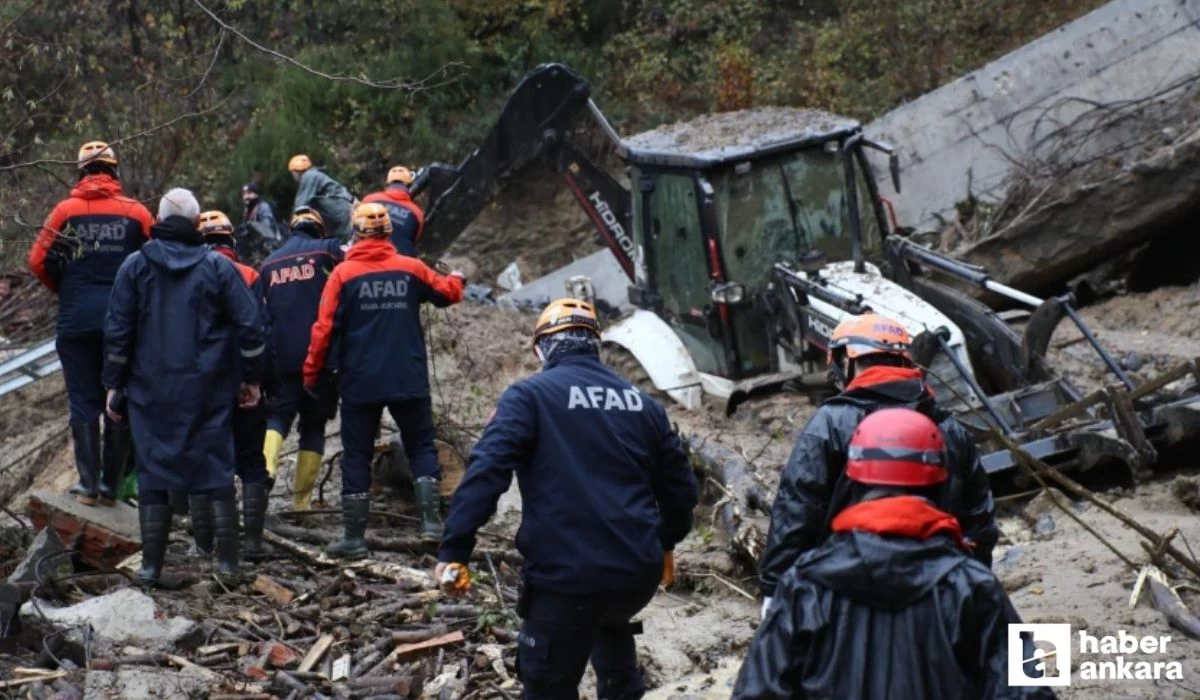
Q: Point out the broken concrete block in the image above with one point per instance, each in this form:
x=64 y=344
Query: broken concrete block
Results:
x=105 y=534
x=41 y=562
x=145 y=682
x=125 y=617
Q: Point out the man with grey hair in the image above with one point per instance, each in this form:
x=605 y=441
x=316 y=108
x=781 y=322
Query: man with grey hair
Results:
x=183 y=338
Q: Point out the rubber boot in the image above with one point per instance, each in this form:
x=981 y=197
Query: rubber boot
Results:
x=254 y=516
x=353 y=545
x=112 y=463
x=308 y=467
x=272 y=446
x=156 y=527
x=429 y=505
x=201 y=507
x=86 y=437
x=225 y=518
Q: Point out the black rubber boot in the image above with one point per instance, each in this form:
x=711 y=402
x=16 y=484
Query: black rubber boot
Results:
x=201 y=507
x=429 y=504
x=86 y=437
x=112 y=463
x=254 y=516
x=353 y=545
x=225 y=517
x=156 y=527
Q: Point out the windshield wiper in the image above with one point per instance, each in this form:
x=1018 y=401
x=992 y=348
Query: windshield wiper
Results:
x=793 y=211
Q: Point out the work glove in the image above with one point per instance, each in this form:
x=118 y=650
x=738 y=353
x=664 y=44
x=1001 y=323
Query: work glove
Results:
x=668 y=574
x=453 y=578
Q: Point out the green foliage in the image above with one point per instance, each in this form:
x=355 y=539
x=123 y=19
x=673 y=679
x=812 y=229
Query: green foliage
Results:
x=90 y=69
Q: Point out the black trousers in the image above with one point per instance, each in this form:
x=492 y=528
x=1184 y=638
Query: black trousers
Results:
x=249 y=429
x=559 y=633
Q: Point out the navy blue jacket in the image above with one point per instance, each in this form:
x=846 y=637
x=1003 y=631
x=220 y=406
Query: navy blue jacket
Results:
x=182 y=332
x=81 y=245
x=605 y=485
x=371 y=316
x=291 y=281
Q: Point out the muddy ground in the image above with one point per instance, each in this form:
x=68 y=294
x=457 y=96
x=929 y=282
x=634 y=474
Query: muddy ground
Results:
x=697 y=632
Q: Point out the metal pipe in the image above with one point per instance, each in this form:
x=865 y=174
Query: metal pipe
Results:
x=604 y=123
x=971 y=273
x=970 y=380
x=1087 y=333
x=1014 y=294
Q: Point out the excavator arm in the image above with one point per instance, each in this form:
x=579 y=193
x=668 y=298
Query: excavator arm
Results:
x=532 y=126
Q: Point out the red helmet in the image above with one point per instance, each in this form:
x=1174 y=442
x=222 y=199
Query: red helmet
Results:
x=897 y=447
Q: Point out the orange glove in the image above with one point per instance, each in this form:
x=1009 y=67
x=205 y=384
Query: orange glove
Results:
x=455 y=579
x=668 y=576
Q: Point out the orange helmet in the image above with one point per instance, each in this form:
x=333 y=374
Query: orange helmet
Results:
x=299 y=163
x=563 y=314
x=215 y=223
x=400 y=175
x=869 y=334
x=897 y=447
x=96 y=152
x=372 y=219
x=307 y=218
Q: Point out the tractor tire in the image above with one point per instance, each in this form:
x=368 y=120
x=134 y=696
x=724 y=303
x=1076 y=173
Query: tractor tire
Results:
x=621 y=361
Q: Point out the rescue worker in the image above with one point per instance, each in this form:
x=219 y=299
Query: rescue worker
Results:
x=891 y=606
x=258 y=210
x=329 y=197
x=407 y=218
x=249 y=423
x=871 y=360
x=183 y=337
x=607 y=493
x=76 y=255
x=290 y=284
x=370 y=316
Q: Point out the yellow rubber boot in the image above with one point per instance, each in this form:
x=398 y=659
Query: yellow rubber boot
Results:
x=308 y=466
x=272 y=446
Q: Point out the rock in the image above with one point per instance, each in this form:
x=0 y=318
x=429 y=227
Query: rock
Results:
x=463 y=264
x=1044 y=525
x=510 y=279
x=1011 y=556
x=125 y=617
x=40 y=562
x=1187 y=490
x=1131 y=361
x=145 y=682
x=1043 y=503
x=1016 y=580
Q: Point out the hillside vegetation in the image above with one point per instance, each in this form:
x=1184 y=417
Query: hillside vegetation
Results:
x=199 y=105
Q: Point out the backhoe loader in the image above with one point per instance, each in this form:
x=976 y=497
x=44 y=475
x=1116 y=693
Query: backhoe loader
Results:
x=745 y=251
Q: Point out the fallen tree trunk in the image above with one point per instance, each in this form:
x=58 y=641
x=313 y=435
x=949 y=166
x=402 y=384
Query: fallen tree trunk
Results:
x=743 y=495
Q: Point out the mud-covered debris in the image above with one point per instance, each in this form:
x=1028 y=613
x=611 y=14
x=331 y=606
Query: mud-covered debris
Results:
x=43 y=559
x=714 y=134
x=1187 y=490
x=1016 y=580
x=1043 y=504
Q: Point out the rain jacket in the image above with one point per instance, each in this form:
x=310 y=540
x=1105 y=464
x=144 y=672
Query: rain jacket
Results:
x=260 y=212
x=813 y=485
x=182 y=333
x=605 y=484
x=407 y=218
x=329 y=197
x=371 y=314
x=80 y=247
x=890 y=607
x=291 y=283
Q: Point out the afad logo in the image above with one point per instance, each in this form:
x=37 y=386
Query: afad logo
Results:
x=1040 y=655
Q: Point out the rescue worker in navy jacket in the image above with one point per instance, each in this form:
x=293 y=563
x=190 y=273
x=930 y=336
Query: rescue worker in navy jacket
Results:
x=607 y=493
x=891 y=606
x=183 y=337
x=249 y=423
x=291 y=282
x=870 y=356
x=371 y=317
x=407 y=218
x=318 y=191
x=76 y=255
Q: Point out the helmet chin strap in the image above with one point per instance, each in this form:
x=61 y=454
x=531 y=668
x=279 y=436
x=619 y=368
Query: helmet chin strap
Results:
x=537 y=350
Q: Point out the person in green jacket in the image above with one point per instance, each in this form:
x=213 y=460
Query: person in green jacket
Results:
x=329 y=197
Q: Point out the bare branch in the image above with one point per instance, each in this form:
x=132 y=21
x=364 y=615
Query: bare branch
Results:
x=389 y=84
x=212 y=64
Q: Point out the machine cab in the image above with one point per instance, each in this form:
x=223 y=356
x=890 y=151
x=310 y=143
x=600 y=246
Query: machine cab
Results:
x=706 y=214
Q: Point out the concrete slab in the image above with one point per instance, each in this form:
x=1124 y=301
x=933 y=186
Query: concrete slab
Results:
x=125 y=617
x=609 y=280
x=107 y=534
x=144 y=682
